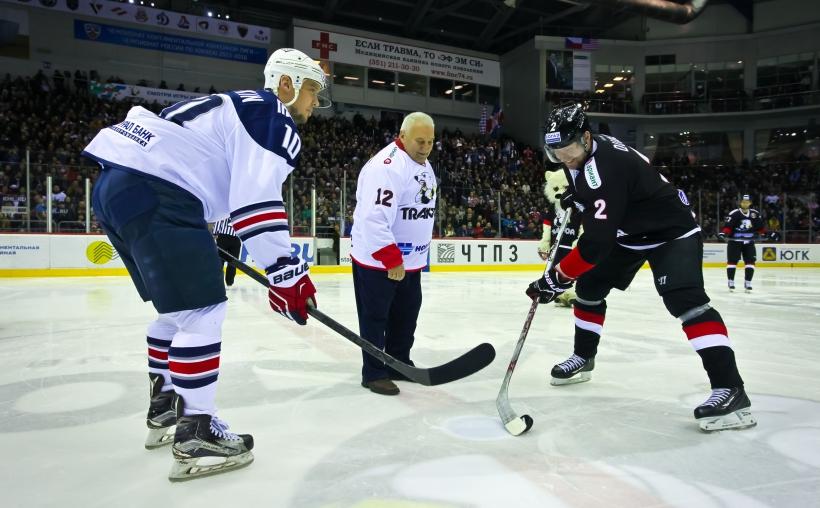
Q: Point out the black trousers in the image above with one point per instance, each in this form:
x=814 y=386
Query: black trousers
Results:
x=388 y=311
x=233 y=245
x=734 y=250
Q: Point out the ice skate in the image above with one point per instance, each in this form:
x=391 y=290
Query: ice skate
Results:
x=731 y=286
x=162 y=418
x=748 y=286
x=203 y=447
x=572 y=370
x=726 y=408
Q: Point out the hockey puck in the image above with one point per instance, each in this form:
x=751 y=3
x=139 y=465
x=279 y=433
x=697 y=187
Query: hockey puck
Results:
x=528 y=421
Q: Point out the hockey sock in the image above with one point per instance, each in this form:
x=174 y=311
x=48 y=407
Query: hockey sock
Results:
x=589 y=323
x=750 y=272
x=730 y=271
x=193 y=360
x=708 y=335
x=160 y=333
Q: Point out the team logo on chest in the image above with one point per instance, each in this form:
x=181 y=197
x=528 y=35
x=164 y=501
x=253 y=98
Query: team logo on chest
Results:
x=427 y=190
x=591 y=174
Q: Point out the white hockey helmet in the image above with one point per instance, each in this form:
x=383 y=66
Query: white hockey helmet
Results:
x=299 y=66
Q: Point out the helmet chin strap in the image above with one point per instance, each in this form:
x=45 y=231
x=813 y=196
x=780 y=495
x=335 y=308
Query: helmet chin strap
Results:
x=295 y=96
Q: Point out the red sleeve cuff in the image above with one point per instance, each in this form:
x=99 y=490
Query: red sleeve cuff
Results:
x=726 y=230
x=547 y=222
x=389 y=256
x=573 y=266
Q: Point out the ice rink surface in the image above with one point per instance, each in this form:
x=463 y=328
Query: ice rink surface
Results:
x=73 y=396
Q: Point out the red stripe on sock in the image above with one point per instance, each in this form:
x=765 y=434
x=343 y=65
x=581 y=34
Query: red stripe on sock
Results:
x=589 y=316
x=707 y=328
x=194 y=367
x=157 y=355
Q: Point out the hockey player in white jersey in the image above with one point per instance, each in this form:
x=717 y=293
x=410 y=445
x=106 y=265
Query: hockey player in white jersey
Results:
x=392 y=229
x=163 y=178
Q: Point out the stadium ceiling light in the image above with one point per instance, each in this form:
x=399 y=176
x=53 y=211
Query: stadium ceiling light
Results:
x=377 y=81
x=448 y=92
x=227 y=16
x=210 y=14
x=618 y=78
x=352 y=78
x=458 y=87
x=600 y=90
x=609 y=85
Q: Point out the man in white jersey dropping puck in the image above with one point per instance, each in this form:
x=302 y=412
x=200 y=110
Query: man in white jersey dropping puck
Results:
x=163 y=178
x=392 y=229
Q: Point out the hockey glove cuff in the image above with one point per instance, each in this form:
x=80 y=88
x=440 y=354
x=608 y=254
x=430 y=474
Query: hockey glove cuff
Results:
x=291 y=289
x=548 y=287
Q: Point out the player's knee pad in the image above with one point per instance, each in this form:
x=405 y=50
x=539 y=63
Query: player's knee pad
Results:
x=163 y=328
x=686 y=303
x=206 y=321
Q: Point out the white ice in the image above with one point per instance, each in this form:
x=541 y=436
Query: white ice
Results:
x=73 y=399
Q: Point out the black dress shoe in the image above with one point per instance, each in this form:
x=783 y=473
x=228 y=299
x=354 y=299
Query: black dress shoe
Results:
x=382 y=386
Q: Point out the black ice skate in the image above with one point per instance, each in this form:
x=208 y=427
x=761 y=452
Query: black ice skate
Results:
x=572 y=370
x=162 y=417
x=731 y=285
x=203 y=447
x=726 y=408
x=748 y=286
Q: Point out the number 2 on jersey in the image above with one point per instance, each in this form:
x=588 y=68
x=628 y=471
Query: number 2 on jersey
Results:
x=600 y=206
x=383 y=198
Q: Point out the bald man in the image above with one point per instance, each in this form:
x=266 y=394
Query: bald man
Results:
x=392 y=229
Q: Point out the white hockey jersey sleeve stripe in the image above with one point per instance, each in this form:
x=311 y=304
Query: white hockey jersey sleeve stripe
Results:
x=252 y=220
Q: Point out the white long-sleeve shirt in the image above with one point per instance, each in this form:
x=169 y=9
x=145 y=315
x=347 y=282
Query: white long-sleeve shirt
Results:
x=395 y=211
x=233 y=151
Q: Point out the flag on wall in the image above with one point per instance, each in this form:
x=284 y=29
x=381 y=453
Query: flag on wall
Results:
x=482 y=122
x=494 y=122
x=581 y=43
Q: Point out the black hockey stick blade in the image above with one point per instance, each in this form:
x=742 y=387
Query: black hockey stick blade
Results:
x=465 y=365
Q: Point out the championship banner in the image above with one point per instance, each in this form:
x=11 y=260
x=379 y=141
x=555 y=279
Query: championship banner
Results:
x=157 y=41
x=393 y=56
x=120 y=92
x=159 y=18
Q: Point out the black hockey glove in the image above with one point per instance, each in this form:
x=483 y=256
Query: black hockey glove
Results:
x=548 y=287
x=567 y=200
x=722 y=237
x=773 y=236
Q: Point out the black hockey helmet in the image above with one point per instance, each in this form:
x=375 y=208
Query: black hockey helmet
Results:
x=564 y=125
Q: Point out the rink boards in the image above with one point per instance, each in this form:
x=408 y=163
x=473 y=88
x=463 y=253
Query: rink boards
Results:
x=37 y=255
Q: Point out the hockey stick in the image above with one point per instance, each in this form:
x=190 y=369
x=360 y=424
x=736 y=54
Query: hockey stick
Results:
x=465 y=365
x=517 y=425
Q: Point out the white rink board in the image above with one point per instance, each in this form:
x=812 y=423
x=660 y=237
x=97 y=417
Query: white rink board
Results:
x=43 y=251
x=461 y=252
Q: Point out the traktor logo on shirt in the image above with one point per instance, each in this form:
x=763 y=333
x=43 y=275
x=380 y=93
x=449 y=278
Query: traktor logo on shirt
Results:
x=426 y=192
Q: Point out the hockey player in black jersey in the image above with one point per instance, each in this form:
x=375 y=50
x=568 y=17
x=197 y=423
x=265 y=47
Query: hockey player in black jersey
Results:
x=632 y=214
x=742 y=226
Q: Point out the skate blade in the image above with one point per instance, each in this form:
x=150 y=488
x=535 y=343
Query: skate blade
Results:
x=160 y=437
x=740 y=419
x=189 y=469
x=581 y=377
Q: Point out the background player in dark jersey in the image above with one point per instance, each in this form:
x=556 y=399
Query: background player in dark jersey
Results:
x=742 y=226
x=631 y=214
x=555 y=186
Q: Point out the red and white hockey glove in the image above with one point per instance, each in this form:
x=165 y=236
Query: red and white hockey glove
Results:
x=291 y=289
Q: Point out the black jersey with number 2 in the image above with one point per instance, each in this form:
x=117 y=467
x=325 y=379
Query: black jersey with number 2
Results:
x=624 y=200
